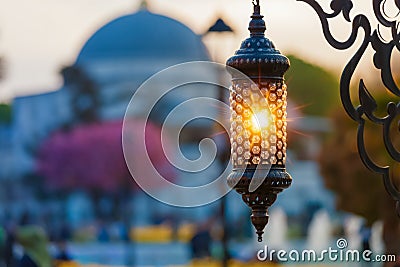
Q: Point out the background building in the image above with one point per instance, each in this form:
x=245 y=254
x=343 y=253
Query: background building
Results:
x=97 y=88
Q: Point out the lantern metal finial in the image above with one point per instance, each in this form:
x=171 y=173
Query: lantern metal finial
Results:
x=257 y=24
x=256 y=3
x=258 y=122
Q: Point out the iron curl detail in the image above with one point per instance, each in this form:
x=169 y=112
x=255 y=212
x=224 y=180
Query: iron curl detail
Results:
x=383 y=52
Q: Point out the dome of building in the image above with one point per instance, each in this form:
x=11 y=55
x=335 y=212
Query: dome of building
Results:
x=143 y=35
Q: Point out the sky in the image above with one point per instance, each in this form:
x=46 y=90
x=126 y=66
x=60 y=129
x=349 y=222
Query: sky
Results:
x=38 y=38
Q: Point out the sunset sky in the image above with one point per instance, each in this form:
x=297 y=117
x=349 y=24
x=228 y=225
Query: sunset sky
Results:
x=37 y=38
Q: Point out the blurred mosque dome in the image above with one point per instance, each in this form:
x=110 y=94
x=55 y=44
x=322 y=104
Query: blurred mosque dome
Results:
x=143 y=35
x=113 y=63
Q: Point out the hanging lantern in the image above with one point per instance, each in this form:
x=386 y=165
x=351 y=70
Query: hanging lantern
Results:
x=258 y=122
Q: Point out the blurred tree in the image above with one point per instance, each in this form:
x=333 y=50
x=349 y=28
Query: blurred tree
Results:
x=311 y=87
x=90 y=157
x=5 y=114
x=357 y=189
x=85 y=98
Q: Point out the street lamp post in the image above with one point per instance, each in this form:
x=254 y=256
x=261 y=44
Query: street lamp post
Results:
x=258 y=122
x=221 y=27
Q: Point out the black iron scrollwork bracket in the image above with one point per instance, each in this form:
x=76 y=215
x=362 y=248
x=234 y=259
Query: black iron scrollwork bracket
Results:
x=382 y=61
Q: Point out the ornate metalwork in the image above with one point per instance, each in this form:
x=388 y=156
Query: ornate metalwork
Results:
x=382 y=61
x=258 y=155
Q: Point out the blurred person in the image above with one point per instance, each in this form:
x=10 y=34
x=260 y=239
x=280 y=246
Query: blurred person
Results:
x=365 y=233
x=25 y=219
x=2 y=246
x=102 y=234
x=9 y=257
x=33 y=240
x=201 y=242
x=62 y=249
x=62 y=253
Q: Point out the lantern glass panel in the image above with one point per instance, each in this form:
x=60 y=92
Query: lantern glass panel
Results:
x=258 y=123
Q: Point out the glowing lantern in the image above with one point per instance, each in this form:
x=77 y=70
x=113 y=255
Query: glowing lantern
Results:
x=258 y=122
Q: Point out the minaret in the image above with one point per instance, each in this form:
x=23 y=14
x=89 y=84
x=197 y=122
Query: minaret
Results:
x=143 y=5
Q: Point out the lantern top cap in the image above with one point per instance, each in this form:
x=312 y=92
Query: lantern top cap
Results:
x=257 y=57
x=257 y=24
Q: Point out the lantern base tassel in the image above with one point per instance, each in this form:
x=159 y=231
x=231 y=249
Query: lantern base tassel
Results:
x=264 y=197
x=259 y=218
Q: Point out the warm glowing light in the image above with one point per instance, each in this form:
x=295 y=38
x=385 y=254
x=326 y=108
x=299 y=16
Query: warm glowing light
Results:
x=261 y=120
x=258 y=124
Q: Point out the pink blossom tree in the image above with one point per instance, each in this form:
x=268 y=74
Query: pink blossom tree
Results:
x=91 y=157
